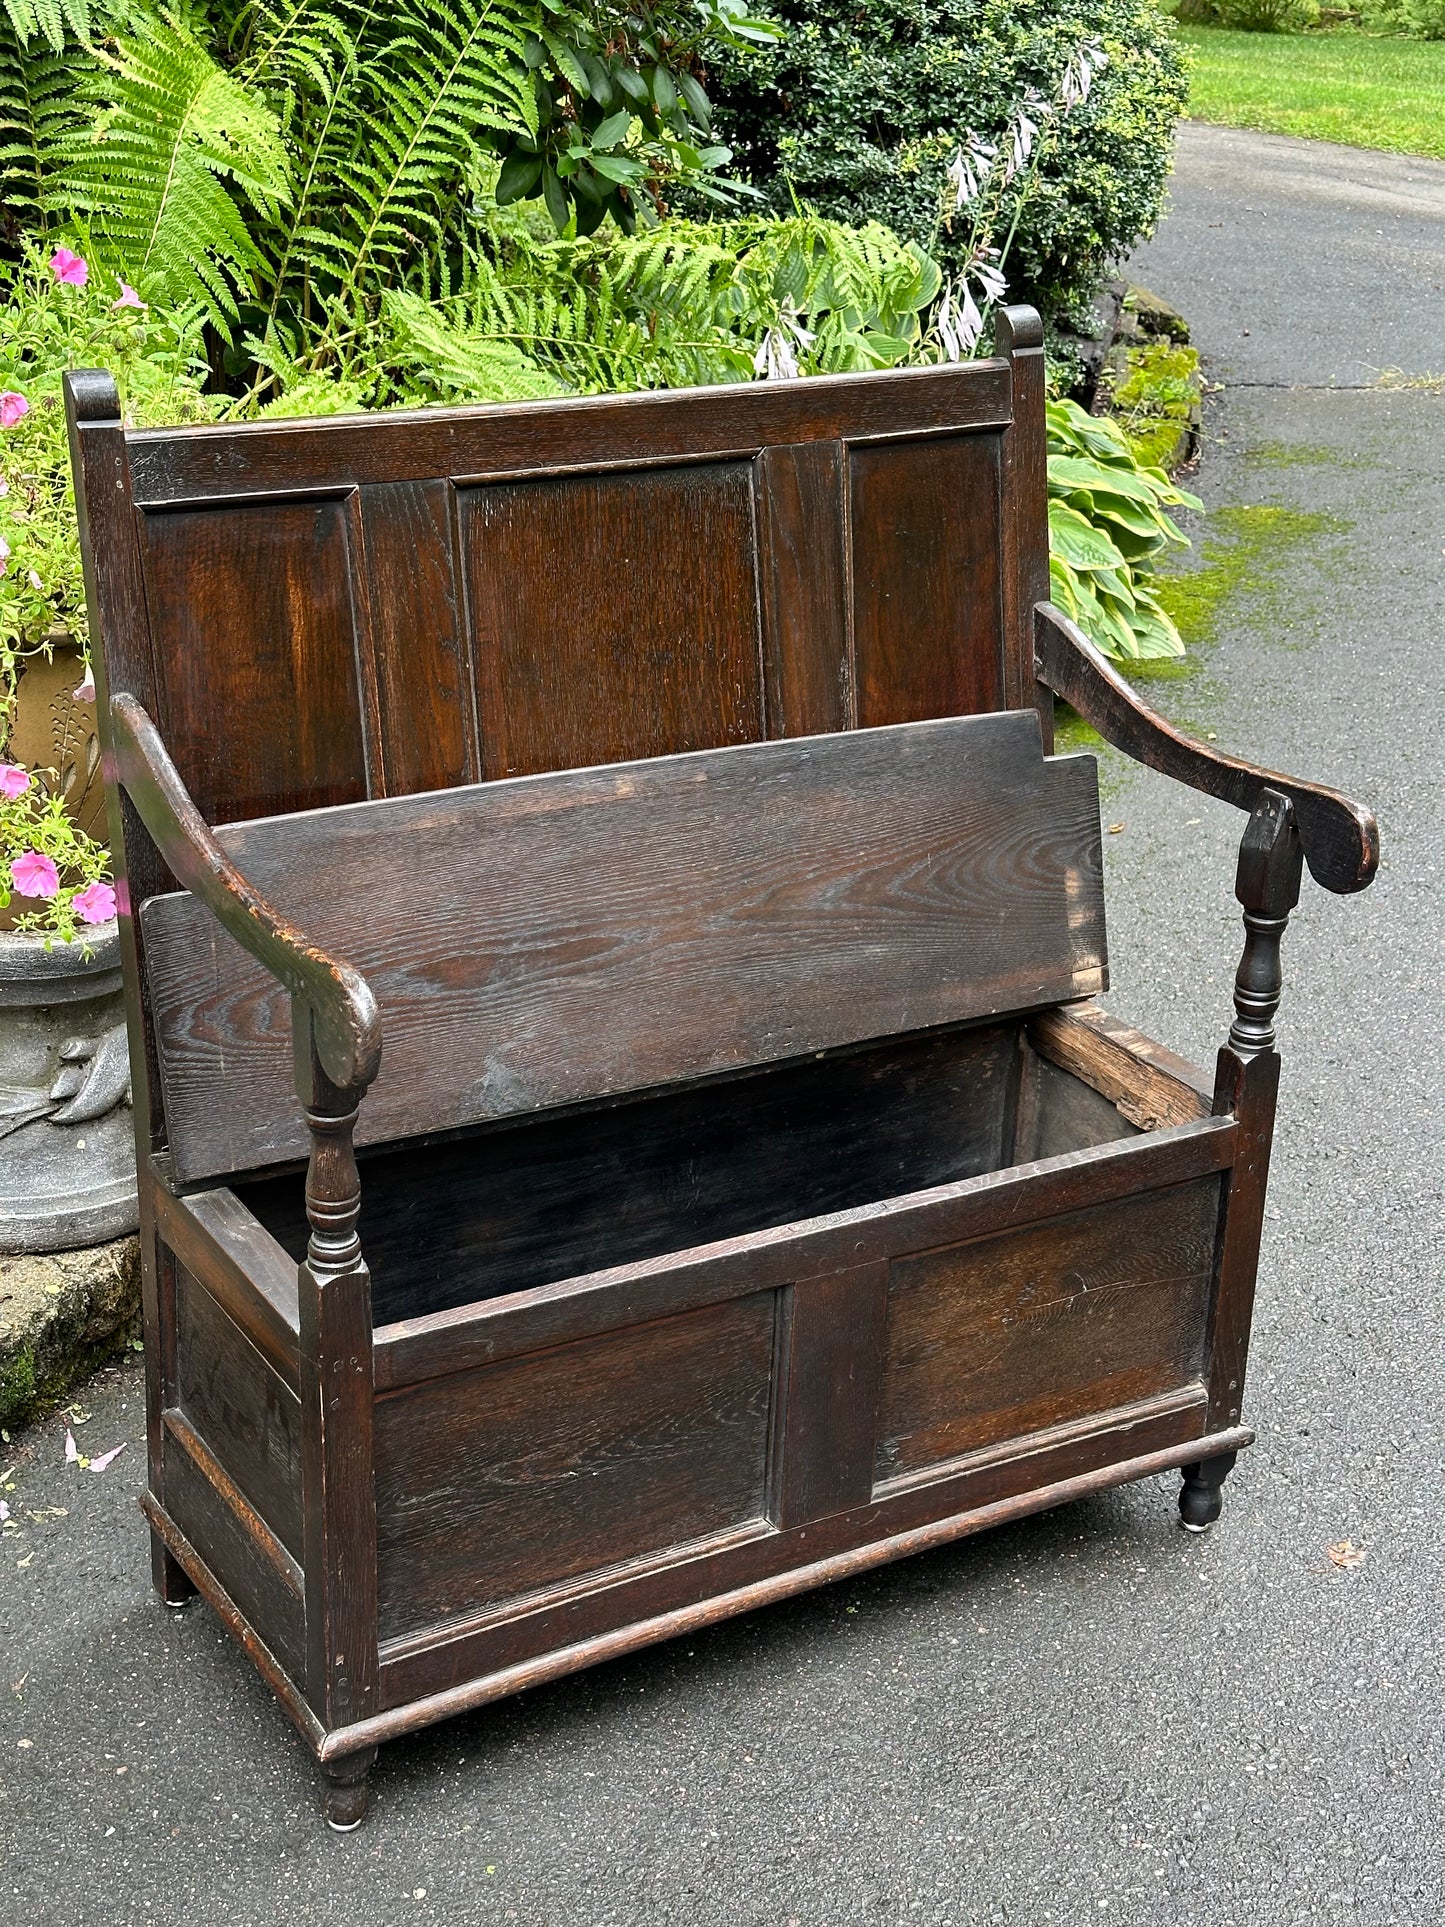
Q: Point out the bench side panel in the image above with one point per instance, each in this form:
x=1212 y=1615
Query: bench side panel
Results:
x=560 y=938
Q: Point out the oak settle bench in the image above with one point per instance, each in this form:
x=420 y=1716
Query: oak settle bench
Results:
x=634 y=823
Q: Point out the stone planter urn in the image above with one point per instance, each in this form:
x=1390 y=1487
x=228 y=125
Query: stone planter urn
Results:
x=67 y=1156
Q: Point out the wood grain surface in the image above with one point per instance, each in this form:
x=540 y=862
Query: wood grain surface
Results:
x=500 y=1483
x=563 y=937
x=1036 y=1327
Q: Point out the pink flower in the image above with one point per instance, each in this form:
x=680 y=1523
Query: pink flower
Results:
x=96 y=903
x=13 y=408
x=84 y=692
x=34 y=875
x=36 y=584
x=128 y=297
x=14 y=781
x=4 y=554
x=69 y=268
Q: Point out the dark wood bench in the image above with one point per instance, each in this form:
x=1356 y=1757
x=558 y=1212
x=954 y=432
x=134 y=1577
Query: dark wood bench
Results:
x=633 y=824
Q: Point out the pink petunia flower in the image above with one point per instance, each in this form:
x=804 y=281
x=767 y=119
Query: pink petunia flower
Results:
x=84 y=692
x=36 y=584
x=14 y=781
x=13 y=408
x=128 y=297
x=4 y=555
x=69 y=268
x=34 y=875
x=95 y=903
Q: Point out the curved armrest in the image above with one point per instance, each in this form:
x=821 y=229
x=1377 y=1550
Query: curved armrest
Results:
x=346 y=1024
x=1341 y=838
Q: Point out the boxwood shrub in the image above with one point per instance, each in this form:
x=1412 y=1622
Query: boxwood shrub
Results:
x=856 y=112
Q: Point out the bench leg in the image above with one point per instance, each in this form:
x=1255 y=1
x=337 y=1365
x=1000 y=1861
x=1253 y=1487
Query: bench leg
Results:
x=345 y=1794
x=1201 y=1498
x=169 y=1578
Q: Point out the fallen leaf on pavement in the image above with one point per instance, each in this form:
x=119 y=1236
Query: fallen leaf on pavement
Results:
x=1346 y=1555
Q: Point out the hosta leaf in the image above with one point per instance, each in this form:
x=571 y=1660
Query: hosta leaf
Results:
x=1081 y=544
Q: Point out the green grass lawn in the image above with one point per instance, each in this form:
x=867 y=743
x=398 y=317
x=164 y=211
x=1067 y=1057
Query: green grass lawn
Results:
x=1348 y=87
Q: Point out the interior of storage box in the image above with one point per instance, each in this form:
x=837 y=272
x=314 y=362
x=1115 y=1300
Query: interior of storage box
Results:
x=522 y=1204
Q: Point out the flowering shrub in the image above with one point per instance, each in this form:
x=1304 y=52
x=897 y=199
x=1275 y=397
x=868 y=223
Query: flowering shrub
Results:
x=46 y=861
x=56 y=314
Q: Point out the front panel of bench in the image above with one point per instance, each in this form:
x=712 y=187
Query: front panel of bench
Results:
x=374 y=606
x=560 y=938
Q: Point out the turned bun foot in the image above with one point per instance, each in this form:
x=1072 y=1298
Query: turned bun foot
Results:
x=346 y=1790
x=1201 y=1499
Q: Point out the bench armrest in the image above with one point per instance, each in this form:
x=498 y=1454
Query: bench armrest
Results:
x=1340 y=837
x=345 y=1022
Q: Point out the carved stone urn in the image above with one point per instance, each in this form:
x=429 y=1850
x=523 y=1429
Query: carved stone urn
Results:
x=67 y=1158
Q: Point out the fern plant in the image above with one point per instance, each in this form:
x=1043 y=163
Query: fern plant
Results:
x=285 y=160
x=162 y=178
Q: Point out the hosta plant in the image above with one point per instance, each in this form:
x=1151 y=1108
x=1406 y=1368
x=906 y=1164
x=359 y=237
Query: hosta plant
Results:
x=1108 y=526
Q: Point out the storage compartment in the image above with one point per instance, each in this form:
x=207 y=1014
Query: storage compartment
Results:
x=524 y=1204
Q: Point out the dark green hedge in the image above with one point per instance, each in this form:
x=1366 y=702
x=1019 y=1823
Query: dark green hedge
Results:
x=858 y=109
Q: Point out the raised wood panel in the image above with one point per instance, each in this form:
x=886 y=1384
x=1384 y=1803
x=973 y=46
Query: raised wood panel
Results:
x=510 y=1209
x=1038 y=1327
x=613 y=616
x=236 y=1556
x=247 y=1415
x=495 y=1484
x=599 y=931
x=253 y=629
x=426 y=725
x=927 y=583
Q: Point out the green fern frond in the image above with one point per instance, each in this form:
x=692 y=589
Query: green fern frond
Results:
x=157 y=176
x=39 y=117
x=48 y=19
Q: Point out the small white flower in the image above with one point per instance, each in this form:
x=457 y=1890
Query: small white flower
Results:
x=991 y=280
x=1023 y=131
x=969 y=170
x=775 y=359
x=959 y=321
x=1083 y=64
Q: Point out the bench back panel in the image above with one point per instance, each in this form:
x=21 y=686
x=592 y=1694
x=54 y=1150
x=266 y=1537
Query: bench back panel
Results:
x=554 y=939
x=322 y=612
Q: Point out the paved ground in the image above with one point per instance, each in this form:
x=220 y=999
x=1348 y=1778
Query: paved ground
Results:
x=1087 y=1716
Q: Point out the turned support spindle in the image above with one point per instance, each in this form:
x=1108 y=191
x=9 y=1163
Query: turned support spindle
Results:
x=339 y=1501
x=1268 y=886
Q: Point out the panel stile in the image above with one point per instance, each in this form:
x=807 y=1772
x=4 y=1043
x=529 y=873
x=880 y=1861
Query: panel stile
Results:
x=416 y=640
x=804 y=582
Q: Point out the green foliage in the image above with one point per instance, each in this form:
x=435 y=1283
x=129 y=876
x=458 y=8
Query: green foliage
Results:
x=682 y=304
x=1107 y=527
x=1252 y=16
x=157 y=175
x=283 y=161
x=1421 y=19
x=858 y=111
x=47 y=326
